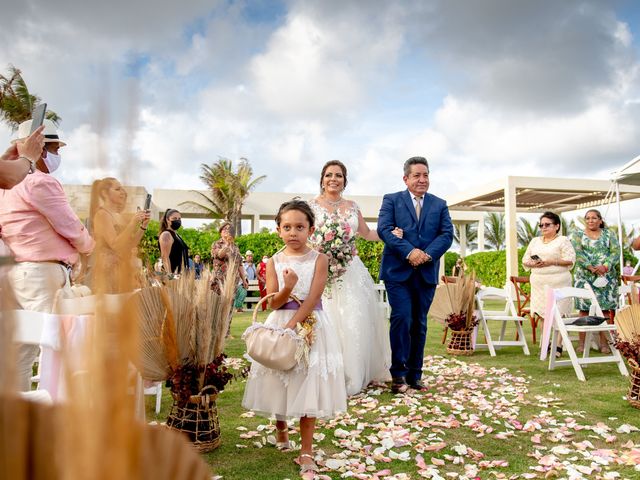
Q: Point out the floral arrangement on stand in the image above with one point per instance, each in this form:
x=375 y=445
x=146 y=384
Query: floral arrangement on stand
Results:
x=182 y=333
x=336 y=239
x=453 y=305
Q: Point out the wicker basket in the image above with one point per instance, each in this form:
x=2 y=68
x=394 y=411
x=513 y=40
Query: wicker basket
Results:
x=198 y=419
x=634 y=384
x=460 y=343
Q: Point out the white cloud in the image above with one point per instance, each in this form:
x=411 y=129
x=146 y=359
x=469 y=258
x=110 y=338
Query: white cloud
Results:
x=508 y=88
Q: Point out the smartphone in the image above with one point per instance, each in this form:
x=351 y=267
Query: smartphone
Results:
x=38 y=117
x=147 y=202
x=535 y=257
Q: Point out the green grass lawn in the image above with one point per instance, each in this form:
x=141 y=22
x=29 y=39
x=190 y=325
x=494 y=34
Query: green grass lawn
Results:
x=507 y=408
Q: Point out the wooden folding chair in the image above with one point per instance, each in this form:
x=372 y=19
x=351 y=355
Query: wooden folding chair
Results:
x=562 y=327
x=504 y=316
x=447 y=279
x=523 y=300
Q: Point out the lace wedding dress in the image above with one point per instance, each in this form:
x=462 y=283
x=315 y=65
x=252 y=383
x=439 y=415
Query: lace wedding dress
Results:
x=315 y=391
x=352 y=304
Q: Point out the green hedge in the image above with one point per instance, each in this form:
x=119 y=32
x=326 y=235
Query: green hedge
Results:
x=490 y=267
x=199 y=242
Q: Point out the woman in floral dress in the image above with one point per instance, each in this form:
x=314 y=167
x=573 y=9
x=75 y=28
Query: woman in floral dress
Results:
x=597 y=253
x=350 y=298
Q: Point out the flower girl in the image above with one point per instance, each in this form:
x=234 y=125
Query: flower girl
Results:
x=307 y=392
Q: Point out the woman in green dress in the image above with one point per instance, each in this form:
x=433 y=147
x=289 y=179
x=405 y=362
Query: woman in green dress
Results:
x=597 y=253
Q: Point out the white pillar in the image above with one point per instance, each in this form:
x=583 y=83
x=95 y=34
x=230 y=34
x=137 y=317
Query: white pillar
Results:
x=510 y=227
x=463 y=239
x=255 y=223
x=481 y=235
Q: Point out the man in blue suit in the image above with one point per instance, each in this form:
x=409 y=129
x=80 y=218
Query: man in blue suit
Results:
x=410 y=267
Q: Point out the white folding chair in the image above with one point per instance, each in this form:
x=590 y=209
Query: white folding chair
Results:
x=562 y=327
x=28 y=326
x=109 y=303
x=382 y=298
x=504 y=316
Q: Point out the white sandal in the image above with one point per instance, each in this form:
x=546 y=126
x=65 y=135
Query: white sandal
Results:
x=283 y=446
x=307 y=467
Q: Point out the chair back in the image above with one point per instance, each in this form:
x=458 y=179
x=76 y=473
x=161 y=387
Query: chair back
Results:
x=523 y=299
x=28 y=326
x=449 y=279
x=626 y=288
x=109 y=303
x=585 y=293
x=493 y=293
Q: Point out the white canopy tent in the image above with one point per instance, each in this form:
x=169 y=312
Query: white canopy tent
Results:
x=629 y=174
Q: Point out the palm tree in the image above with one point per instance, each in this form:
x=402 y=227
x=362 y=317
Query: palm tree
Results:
x=527 y=231
x=16 y=102
x=494 y=230
x=471 y=231
x=228 y=189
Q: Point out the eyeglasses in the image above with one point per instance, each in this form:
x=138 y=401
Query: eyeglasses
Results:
x=545 y=225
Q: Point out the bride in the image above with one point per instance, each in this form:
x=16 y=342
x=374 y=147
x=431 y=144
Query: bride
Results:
x=350 y=298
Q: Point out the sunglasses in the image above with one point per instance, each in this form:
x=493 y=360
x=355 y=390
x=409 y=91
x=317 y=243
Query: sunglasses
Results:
x=545 y=225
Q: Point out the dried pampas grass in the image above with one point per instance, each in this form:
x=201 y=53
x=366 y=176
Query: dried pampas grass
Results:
x=183 y=322
x=454 y=298
x=628 y=322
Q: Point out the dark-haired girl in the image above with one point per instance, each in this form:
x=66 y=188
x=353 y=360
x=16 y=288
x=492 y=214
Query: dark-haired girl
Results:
x=317 y=390
x=173 y=250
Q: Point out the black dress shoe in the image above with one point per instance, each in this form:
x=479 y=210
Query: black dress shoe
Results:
x=399 y=385
x=418 y=386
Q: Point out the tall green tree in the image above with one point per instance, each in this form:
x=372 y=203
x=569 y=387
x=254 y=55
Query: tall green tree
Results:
x=228 y=189
x=16 y=102
x=527 y=231
x=494 y=231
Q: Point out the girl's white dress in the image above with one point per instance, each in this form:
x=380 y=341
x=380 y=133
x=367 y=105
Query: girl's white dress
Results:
x=353 y=305
x=315 y=391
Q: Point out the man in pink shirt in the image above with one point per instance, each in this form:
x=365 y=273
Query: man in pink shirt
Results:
x=45 y=238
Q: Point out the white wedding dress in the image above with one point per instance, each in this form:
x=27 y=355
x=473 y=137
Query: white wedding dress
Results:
x=352 y=304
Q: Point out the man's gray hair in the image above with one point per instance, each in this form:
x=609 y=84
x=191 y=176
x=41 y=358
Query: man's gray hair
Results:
x=414 y=161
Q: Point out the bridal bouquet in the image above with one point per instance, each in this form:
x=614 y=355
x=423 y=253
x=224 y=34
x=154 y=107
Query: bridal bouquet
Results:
x=336 y=239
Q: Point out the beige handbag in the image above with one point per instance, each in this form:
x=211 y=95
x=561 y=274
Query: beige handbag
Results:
x=271 y=346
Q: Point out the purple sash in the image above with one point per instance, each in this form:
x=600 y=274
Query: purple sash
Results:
x=293 y=305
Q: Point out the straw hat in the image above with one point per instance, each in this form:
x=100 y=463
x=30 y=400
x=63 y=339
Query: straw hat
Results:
x=50 y=132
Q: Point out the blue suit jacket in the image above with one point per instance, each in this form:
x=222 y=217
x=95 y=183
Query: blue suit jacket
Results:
x=432 y=232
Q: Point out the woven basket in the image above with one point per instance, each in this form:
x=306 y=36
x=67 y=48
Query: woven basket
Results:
x=460 y=343
x=634 y=384
x=198 y=419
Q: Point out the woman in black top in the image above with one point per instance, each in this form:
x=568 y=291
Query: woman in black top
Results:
x=173 y=251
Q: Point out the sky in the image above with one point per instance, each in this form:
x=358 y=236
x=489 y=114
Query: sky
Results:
x=150 y=90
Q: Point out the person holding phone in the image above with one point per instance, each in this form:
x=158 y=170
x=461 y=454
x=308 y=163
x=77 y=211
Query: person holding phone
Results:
x=20 y=159
x=115 y=264
x=550 y=258
x=44 y=235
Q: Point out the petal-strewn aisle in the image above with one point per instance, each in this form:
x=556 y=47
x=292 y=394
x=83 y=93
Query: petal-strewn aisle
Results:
x=418 y=435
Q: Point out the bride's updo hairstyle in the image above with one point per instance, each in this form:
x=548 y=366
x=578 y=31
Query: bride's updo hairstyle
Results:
x=329 y=164
x=299 y=205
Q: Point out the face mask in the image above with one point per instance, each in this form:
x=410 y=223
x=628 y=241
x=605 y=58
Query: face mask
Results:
x=265 y=259
x=52 y=161
x=176 y=224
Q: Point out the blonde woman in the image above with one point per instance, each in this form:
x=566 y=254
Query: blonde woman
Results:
x=117 y=236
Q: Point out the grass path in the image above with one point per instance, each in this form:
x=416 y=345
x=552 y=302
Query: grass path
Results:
x=483 y=417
